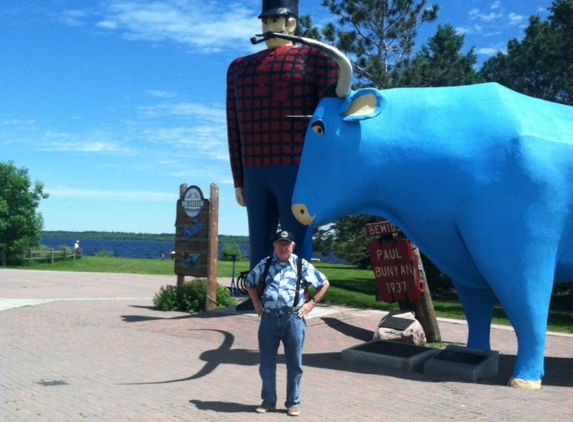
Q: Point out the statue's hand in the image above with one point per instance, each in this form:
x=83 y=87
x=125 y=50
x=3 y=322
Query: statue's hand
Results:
x=240 y=197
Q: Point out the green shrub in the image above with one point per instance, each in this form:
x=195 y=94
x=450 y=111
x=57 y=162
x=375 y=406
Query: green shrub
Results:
x=229 y=250
x=190 y=297
x=104 y=254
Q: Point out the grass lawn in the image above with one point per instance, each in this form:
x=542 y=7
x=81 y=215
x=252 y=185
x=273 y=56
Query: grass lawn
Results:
x=349 y=286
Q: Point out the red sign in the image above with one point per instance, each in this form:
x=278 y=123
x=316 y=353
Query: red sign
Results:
x=396 y=270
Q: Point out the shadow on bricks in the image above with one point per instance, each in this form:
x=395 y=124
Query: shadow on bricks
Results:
x=348 y=329
x=223 y=407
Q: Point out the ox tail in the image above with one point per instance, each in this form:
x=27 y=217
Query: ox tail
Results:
x=344 y=80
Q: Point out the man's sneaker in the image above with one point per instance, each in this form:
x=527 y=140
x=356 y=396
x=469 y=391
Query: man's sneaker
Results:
x=264 y=408
x=293 y=411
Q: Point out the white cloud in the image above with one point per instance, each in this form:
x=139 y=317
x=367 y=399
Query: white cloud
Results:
x=18 y=122
x=516 y=19
x=105 y=24
x=475 y=14
x=195 y=113
x=74 y=17
x=87 y=143
x=106 y=195
x=493 y=33
x=203 y=134
x=488 y=51
x=192 y=142
x=61 y=146
x=209 y=26
x=156 y=93
x=201 y=111
x=492 y=23
x=469 y=30
x=189 y=131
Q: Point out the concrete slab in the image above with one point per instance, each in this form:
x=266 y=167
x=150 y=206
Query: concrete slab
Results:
x=463 y=363
x=390 y=354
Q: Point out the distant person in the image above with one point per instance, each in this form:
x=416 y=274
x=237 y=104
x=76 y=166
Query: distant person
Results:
x=282 y=310
x=162 y=255
x=77 y=250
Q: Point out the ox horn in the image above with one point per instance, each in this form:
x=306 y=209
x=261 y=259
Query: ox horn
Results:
x=345 y=78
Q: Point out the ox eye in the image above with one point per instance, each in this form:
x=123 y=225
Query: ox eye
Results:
x=318 y=127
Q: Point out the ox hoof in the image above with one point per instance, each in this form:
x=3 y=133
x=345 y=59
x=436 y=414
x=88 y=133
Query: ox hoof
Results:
x=524 y=384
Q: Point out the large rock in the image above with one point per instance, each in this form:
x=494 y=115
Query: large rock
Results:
x=402 y=327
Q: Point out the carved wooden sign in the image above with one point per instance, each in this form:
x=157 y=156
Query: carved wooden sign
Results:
x=192 y=234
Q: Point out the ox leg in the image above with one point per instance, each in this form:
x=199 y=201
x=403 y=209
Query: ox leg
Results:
x=527 y=308
x=519 y=266
x=478 y=306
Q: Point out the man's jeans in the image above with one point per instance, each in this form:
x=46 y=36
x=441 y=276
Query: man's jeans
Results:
x=291 y=330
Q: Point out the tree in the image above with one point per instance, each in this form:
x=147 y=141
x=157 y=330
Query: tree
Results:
x=441 y=62
x=20 y=223
x=231 y=252
x=541 y=64
x=378 y=34
x=346 y=238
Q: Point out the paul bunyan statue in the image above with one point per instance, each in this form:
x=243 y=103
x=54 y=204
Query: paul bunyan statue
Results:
x=265 y=146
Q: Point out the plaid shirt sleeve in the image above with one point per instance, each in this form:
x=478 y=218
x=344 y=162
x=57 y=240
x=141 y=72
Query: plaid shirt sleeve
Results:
x=233 y=134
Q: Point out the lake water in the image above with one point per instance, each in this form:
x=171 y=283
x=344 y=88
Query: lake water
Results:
x=142 y=249
x=119 y=248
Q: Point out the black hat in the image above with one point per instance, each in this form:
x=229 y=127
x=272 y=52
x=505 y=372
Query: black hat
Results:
x=279 y=7
x=284 y=235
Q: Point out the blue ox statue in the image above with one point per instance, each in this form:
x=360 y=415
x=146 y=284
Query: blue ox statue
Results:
x=479 y=177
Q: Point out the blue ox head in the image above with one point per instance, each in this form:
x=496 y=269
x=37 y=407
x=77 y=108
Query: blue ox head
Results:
x=341 y=158
x=479 y=177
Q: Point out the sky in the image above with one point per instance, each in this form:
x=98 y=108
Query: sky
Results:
x=114 y=104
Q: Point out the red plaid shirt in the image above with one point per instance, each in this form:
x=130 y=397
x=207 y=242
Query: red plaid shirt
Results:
x=264 y=88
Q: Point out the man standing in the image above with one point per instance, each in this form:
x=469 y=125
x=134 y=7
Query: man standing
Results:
x=264 y=145
x=282 y=310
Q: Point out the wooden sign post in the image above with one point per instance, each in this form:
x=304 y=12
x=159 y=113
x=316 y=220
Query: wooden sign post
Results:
x=196 y=238
x=211 y=300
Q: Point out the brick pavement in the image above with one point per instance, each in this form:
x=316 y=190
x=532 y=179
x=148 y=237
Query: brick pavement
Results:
x=92 y=348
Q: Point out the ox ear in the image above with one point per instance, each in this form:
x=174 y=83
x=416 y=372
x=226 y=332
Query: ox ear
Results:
x=363 y=104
